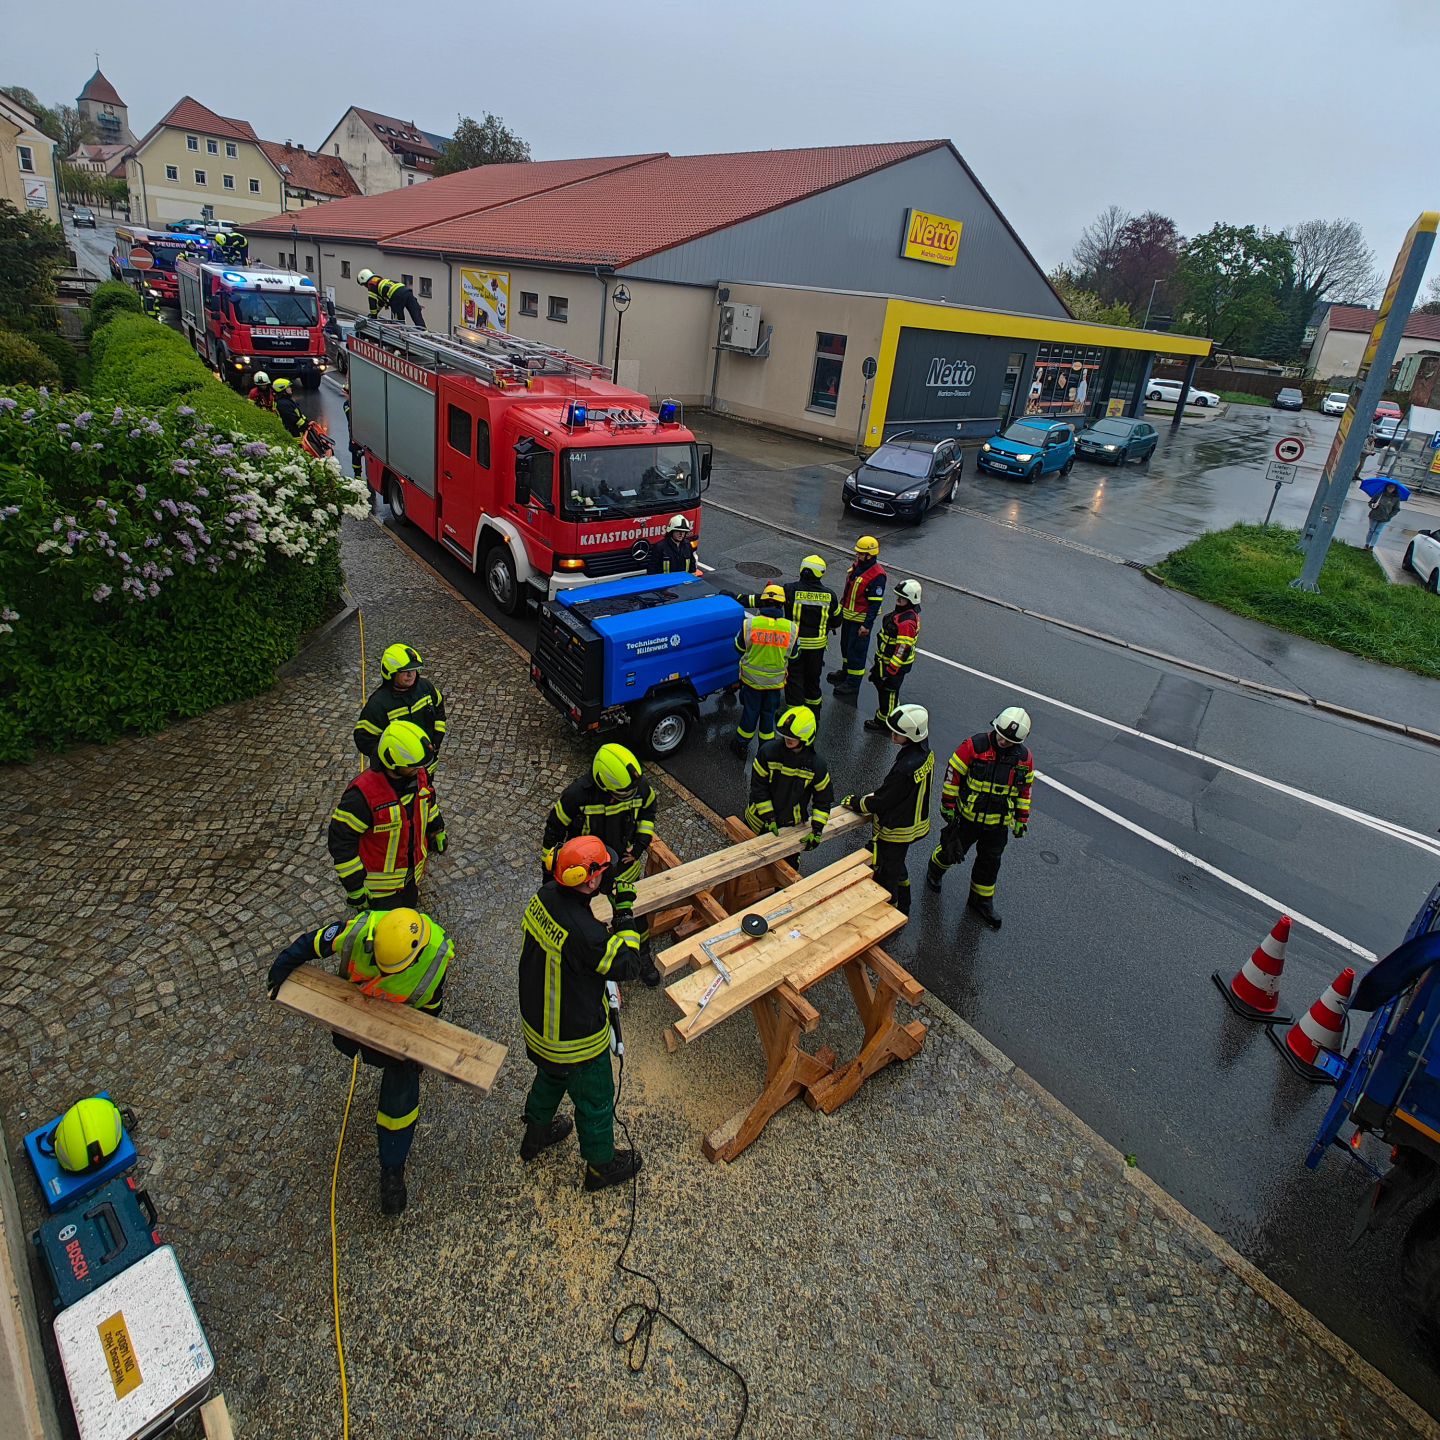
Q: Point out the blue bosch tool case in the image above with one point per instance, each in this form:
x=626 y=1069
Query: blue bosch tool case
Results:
x=92 y=1242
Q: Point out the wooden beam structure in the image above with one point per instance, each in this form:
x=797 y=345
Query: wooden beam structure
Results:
x=398 y=1030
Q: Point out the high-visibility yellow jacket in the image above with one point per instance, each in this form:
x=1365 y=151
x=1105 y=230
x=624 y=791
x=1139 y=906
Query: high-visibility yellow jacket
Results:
x=766 y=643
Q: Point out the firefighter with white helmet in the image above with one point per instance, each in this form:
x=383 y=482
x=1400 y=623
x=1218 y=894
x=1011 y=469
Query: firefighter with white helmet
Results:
x=985 y=798
x=675 y=554
x=895 y=651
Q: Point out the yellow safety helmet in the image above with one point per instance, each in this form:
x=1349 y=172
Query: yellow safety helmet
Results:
x=815 y=565
x=615 y=769
x=88 y=1134
x=798 y=722
x=398 y=938
x=773 y=594
x=867 y=545
x=397 y=658
x=281 y=385
x=404 y=746
x=580 y=858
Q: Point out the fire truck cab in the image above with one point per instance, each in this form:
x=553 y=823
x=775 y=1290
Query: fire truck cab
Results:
x=527 y=464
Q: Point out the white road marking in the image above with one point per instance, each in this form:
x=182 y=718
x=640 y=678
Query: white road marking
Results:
x=1368 y=956
x=701 y=565
x=1429 y=843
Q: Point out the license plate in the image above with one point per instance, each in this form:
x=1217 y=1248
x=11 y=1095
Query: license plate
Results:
x=868 y=504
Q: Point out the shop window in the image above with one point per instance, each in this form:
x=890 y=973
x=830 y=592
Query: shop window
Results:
x=425 y=287
x=228 y=181
x=344 y=269
x=559 y=309
x=192 y=142
x=1064 y=380
x=825 y=381
x=199 y=177
x=212 y=147
x=26 y=157
x=458 y=429
x=254 y=187
x=172 y=172
x=529 y=303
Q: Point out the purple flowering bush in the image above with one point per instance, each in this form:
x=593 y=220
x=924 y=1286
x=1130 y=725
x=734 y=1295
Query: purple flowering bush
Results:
x=152 y=566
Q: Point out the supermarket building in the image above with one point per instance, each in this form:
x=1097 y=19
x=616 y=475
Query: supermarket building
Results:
x=842 y=293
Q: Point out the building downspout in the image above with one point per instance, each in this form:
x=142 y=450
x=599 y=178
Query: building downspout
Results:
x=604 y=305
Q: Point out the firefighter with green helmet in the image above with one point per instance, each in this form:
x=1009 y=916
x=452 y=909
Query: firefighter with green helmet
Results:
x=789 y=781
x=403 y=694
x=616 y=804
x=387 y=822
x=400 y=957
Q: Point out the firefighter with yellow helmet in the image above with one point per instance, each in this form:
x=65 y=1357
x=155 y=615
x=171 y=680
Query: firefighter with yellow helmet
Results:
x=401 y=957
x=789 y=780
x=616 y=804
x=766 y=641
x=403 y=694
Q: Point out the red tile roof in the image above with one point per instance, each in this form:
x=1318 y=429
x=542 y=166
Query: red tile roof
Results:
x=322 y=174
x=190 y=114
x=98 y=88
x=620 y=217
x=108 y=156
x=1356 y=317
x=410 y=136
x=373 y=217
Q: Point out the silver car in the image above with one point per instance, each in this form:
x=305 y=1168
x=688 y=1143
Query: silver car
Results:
x=1335 y=402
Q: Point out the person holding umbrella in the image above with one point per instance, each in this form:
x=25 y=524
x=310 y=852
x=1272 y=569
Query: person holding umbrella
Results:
x=1386 y=496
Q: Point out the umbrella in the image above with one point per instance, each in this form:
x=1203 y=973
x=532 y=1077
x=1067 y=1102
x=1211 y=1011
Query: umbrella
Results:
x=1376 y=484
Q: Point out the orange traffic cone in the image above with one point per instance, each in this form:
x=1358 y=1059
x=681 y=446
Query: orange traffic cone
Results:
x=1255 y=991
x=1321 y=1028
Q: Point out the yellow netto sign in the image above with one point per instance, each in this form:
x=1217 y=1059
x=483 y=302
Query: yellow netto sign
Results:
x=932 y=238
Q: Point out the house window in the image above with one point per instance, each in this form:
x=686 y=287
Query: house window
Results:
x=282 y=257
x=344 y=269
x=309 y=263
x=559 y=308
x=407 y=280
x=254 y=187
x=424 y=287
x=829 y=360
x=199 y=177
x=230 y=150
x=529 y=303
x=212 y=147
x=409 y=178
x=27 y=158
x=228 y=181
x=337 y=149
x=172 y=172
x=192 y=142
x=458 y=428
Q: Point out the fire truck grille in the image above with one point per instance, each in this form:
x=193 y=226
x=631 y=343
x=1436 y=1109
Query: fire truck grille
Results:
x=280 y=344
x=615 y=564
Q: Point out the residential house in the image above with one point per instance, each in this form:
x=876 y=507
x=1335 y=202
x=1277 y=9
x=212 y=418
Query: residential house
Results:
x=383 y=153
x=27 y=162
x=310 y=178
x=1344 y=332
x=107 y=160
x=100 y=103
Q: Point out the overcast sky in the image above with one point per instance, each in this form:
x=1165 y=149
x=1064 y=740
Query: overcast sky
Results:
x=1263 y=111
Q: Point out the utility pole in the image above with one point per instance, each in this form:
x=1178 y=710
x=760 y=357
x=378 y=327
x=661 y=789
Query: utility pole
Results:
x=1145 y=323
x=1343 y=461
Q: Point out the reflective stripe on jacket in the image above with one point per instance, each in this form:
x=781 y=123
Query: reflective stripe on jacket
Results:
x=987 y=784
x=421 y=983
x=379 y=837
x=863 y=593
x=585 y=808
x=422 y=703
x=895 y=644
x=901 y=806
x=787 y=785
x=765 y=643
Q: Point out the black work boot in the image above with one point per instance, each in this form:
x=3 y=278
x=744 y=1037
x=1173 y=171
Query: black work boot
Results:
x=393 y=1196
x=601 y=1177
x=934 y=877
x=877 y=724
x=542 y=1137
x=984 y=907
x=648 y=973
x=836 y=675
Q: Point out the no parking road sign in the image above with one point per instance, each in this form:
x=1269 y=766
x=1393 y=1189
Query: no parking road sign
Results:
x=1290 y=449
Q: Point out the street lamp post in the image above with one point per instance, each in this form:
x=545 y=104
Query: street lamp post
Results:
x=1145 y=323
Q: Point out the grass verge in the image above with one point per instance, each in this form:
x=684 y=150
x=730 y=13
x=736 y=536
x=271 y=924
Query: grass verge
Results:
x=1247 y=569
x=1242 y=397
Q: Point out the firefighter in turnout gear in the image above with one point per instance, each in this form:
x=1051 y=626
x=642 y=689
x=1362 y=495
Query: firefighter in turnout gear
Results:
x=286 y=408
x=901 y=806
x=567 y=959
x=403 y=694
x=398 y=297
x=400 y=956
x=985 y=795
x=812 y=607
x=675 y=554
x=617 y=805
x=860 y=600
x=387 y=822
x=766 y=642
x=895 y=651
x=789 y=781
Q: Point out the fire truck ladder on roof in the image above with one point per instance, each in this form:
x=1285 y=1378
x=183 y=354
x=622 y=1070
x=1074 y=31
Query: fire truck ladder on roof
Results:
x=497 y=359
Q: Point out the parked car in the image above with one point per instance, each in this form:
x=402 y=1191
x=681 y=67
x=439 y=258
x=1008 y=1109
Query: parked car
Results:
x=337 y=352
x=1030 y=448
x=82 y=215
x=905 y=476
x=1422 y=558
x=1288 y=399
x=1387 y=410
x=1335 y=402
x=1116 y=440
x=1170 y=390
x=1391 y=430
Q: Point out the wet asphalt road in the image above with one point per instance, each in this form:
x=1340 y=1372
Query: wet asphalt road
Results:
x=1098 y=984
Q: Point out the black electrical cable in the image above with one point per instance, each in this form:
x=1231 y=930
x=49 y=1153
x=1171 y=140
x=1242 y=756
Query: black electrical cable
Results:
x=636 y=1340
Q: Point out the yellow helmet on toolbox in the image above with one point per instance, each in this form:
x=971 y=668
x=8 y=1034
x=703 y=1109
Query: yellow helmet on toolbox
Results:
x=365 y=276
x=798 y=722
x=867 y=545
x=397 y=658
x=815 y=565
x=578 y=859
x=773 y=594
x=88 y=1134
x=404 y=746
x=615 y=769
x=399 y=937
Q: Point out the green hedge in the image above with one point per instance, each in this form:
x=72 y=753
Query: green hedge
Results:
x=109 y=299
x=22 y=362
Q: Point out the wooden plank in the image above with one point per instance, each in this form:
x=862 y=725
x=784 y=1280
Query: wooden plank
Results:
x=398 y=1030
x=811 y=965
x=215 y=1419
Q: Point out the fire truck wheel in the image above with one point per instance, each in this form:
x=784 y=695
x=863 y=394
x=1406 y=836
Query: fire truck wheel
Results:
x=395 y=499
x=500 y=580
x=1420 y=1267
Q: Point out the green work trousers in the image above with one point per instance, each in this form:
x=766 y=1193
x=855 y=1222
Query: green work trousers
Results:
x=591 y=1088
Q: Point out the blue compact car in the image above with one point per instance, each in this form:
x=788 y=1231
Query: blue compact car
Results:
x=1030 y=448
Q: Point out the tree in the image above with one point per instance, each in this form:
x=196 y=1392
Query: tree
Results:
x=1147 y=250
x=1230 y=282
x=32 y=249
x=1432 y=298
x=45 y=117
x=74 y=129
x=488 y=142
x=1094 y=252
x=1333 y=262
x=1085 y=304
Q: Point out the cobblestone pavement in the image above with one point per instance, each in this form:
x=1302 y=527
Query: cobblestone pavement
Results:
x=948 y=1255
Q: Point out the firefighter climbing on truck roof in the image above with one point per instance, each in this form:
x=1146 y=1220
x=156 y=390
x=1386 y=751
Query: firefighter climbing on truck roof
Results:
x=766 y=641
x=616 y=803
x=401 y=956
x=812 y=607
x=860 y=599
x=231 y=246
x=286 y=408
x=397 y=295
x=403 y=694
x=895 y=651
x=789 y=781
x=675 y=554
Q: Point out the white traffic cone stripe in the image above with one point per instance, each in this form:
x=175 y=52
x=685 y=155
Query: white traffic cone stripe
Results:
x=1274 y=948
x=1262 y=980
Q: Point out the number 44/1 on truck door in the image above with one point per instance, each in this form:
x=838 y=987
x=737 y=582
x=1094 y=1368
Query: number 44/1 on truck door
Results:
x=526 y=463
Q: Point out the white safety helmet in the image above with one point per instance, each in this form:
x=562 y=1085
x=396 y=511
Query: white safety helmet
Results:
x=261 y=378
x=1012 y=724
x=679 y=522
x=909 y=591
x=910 y=722
x=365 y=276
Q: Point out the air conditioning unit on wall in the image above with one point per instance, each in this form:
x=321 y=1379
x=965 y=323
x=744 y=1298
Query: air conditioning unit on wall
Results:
x=740 y=327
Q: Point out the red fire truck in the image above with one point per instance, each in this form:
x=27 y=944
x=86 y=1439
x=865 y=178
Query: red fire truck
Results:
x=526 y=463
x=241 y=319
